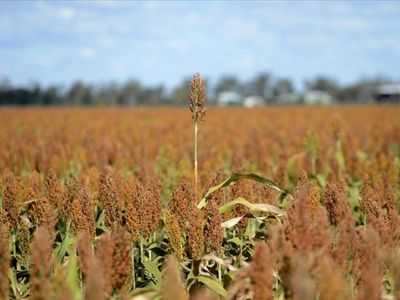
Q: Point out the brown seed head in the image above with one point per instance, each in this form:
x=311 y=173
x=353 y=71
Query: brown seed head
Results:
x=42 y=262
x=154 y=204
x=376 y=217
x=122 y=259
x=305 y=233
x=196 y=233
x=213 y=232
x=53 y=190
x=302 y=283
x=110 y=199
x=24 y=242
x=182 y=195
x=261 y=273
x=314 y=199
x=4 y=225
x=132 y=221
x=175 y=234
x=172 y=287
x=330 y=283
x=392 y=214
x=104 y=255
x=89 y=266
x=68 y=196
x=344 y=242
x=114 y=256
x=4 y=266
x=60 y=287
x=141 y=202
x=10 y=205
x=39 y=210
x=197 y=98
x=82 y=210
x=336 y=203
x=368 y=265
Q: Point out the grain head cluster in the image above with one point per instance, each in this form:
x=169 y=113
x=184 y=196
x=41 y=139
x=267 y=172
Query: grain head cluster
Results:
x=104 y=204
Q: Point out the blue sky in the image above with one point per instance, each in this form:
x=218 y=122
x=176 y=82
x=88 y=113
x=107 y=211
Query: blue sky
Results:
x=162 y=42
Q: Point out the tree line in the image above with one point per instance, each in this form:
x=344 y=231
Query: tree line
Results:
x=134 y=93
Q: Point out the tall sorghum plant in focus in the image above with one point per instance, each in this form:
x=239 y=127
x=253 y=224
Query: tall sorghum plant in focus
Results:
x=197 y=99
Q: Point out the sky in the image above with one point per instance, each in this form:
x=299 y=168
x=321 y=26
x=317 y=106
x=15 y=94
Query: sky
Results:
x=163 y=42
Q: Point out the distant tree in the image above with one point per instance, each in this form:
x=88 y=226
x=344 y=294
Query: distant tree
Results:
x=362 y=90
x=323 y=83
x=130 y=93
x=283 y=86
x=260 y=85
x=80 y=94
x=50 y=96
x=228 y=83
x=180 y=94
x=5 y=84
x=151 y=96
x=107 y=94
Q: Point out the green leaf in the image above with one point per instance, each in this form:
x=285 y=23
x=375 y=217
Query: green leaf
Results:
x=231 y=222
x=72 y=276
x=236 y=241
x=212 y=284
x=253 y=207
x=152 y=268
x=65 y=243
x=236 y=177
x=340 y=159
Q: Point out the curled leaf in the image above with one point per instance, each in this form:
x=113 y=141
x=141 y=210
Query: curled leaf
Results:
x=236 y=177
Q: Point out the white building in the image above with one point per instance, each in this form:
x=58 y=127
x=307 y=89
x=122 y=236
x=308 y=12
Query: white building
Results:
x=230 y=99
x=388 y=93
x=253 y=101
x=289 y=99
x=315 y=97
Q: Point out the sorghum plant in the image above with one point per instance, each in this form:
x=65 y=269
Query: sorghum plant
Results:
x=197 y=99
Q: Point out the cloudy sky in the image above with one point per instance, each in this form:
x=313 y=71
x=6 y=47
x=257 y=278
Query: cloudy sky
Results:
x=161 y=42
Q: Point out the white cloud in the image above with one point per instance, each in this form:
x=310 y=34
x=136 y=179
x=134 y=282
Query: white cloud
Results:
x=246 y=62
x=192 y=18
x=86 y=53
x=151 y=5
x=177 y=45
x=109 y=2
x=66 y=13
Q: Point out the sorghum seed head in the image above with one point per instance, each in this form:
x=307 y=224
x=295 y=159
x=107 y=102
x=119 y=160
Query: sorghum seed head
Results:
x=122 y=259
x=4 y=266
x=53 y=190
x=196 y=233
x=261 y=273
x=175 y=234
x=110 y=199
x=104 y=255
x=172 y=287
x=197 y=98
x=9 y=203
x=42 y=262
x=182 y=195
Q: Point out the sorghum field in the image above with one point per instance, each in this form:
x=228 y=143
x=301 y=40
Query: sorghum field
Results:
x=100 y=204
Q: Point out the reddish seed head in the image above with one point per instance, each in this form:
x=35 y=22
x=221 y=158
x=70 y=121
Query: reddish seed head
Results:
x=4 y=266
x=197 y=98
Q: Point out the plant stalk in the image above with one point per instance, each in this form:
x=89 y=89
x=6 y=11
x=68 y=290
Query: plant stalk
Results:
x=196 y=130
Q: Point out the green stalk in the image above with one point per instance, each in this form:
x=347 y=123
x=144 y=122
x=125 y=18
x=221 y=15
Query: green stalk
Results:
x=219 y=273
x=313 y=165
x=141 y=255
x=133 y=267
x=141 y=249
x=196 y=130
